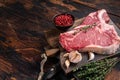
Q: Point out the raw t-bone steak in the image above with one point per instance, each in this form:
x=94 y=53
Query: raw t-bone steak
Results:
x=95 y=34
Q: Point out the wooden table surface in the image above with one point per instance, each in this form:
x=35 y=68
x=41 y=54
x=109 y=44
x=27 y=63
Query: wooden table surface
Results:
x=21 y=32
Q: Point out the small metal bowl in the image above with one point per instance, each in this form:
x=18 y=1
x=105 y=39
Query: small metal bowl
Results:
x=62 y=27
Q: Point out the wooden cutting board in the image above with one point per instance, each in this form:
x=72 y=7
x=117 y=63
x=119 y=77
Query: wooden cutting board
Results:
x=85 y=55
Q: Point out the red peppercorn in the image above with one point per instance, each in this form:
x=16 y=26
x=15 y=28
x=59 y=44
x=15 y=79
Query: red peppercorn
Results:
x=64 y=20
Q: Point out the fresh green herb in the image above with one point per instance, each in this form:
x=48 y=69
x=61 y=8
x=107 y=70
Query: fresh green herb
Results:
x=95 y=70
x=87 y=27
x=84 y=28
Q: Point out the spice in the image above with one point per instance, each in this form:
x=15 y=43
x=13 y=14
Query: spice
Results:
x=64 y=20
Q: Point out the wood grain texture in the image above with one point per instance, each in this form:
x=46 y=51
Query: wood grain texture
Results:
x=22 y=31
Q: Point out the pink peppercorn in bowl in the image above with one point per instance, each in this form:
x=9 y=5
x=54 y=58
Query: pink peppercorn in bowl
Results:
x=63 y=21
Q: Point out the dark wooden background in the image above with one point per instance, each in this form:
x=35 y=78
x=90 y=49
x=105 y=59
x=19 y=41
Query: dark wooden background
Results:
x=22 y=23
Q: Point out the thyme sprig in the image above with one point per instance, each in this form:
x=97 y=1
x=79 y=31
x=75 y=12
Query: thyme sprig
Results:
x=95 y=70
x=85 y=28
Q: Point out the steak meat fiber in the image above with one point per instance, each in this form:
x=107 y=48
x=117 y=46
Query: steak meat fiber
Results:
x=95 y=34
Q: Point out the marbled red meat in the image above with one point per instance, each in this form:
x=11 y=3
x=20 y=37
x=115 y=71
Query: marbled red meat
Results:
x=100 y=38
